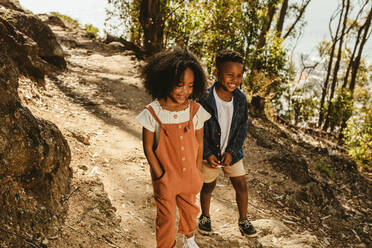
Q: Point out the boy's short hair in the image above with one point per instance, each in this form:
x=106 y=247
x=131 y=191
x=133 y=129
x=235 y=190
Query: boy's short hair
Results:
x=223 y=56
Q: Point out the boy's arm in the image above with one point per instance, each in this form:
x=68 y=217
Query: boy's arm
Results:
x=240 y=134
x=148 y=144
x=207 y=152
x=199 y=137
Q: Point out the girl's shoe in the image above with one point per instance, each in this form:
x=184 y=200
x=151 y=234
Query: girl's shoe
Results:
x=247 y=229
x=189 y=242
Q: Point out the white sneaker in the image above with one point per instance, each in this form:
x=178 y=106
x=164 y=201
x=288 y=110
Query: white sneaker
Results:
x=189 y=242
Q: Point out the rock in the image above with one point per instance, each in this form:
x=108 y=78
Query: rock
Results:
x=34 y=28
x=34 y=156
x=24 y=56
x=292 y=165
x=273 y=233
x=52 y=20
x=11 y=4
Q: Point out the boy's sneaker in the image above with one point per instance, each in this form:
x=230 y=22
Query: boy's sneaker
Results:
x=204 y=226
x=189 y=242
x=247 y=229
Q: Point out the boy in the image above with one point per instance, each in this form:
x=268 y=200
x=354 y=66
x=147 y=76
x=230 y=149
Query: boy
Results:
x=224 y=135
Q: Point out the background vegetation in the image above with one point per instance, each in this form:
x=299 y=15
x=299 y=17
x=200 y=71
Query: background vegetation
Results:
x=331 y=94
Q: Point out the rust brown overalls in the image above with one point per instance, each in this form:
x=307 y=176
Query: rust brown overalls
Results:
x=180 y=182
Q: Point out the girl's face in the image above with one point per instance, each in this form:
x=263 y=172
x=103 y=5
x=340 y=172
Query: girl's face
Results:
x=184 y=88
x=230 y=75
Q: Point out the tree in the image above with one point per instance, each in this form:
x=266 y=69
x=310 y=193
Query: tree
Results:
x=152 y=14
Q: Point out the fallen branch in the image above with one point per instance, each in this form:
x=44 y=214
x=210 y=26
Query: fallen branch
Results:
x=28 y=241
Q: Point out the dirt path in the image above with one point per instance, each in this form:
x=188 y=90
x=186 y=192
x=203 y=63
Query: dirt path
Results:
x=95 y=102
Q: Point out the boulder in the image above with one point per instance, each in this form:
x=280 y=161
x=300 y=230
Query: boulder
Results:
x=11 y=4
x=39 y=32
x=34 y=156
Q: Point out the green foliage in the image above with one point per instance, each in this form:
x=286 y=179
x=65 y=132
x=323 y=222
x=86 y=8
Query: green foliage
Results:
x=358 y=133
x=323 y=168
x=6 y=16
x=343 y=107
x=66 y=18
x=91 y=29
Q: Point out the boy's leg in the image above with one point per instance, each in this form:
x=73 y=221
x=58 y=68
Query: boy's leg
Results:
x=241 y=193
x=205 y=197
x=236 y=173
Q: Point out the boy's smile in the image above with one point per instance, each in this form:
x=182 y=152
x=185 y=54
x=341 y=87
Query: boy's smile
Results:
x=230 y=76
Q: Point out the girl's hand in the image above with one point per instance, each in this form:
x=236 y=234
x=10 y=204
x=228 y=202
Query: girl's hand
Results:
x=226 y=159
x=214 y=162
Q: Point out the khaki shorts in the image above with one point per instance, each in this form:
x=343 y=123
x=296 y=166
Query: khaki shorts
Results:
x=211 y=174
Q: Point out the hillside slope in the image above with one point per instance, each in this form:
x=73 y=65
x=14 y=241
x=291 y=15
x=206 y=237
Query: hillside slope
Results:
x=301 y=194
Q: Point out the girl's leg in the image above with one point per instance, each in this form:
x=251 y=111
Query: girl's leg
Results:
x=188 y=211
x=205 y=197
x=241 y=191
x=165 y=222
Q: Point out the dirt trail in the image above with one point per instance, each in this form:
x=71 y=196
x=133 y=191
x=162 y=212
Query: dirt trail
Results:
x=95 y=102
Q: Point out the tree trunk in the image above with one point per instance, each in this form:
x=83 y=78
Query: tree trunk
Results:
x=337 y=66
x=282 y=14
x=355 y=63
x=302 y=11
x=257 y=107
x=258 y=104
x=151 y=19
x=266 y=27
x=329 y=69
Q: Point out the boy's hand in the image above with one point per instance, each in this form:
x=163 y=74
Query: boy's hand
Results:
x=226 y=159
x=214 y=162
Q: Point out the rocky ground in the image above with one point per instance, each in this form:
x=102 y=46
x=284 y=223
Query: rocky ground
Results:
x=94 y=103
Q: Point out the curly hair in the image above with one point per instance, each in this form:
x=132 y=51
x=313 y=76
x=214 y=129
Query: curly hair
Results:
x=223 y=56
x=165 y=69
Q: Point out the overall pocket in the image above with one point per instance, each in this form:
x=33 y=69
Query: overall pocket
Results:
x=160 y=186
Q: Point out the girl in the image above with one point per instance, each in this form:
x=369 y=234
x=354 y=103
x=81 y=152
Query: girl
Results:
x=173 y=141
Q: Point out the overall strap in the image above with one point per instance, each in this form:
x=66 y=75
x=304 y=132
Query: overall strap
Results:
x=152 y=112
x=194 y=107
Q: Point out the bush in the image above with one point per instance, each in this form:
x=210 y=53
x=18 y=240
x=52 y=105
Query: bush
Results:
x=358 y=138
x=91 y=29
x=66 y=18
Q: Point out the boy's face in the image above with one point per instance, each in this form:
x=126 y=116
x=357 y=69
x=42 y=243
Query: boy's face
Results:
x=184 y=88
x=230 y=75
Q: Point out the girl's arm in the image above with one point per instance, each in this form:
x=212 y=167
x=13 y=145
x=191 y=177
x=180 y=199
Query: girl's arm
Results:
x=148 y=144
x=199 y=137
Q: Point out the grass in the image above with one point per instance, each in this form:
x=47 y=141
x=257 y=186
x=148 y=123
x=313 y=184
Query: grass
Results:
x=66 y=18
x=323 y=168
x=91 y=29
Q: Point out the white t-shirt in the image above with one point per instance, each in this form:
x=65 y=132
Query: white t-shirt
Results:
x=225 y=112
x=170 y=117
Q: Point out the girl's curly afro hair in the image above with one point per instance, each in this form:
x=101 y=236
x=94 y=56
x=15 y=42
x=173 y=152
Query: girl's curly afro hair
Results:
x=165 y=69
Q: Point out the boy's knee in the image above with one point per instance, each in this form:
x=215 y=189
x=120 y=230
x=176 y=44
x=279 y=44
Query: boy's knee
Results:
x=239 y=183
x=208 y=187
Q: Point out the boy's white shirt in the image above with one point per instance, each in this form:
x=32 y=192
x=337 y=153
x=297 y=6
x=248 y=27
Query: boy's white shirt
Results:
x=168 y=117
x=225 y=112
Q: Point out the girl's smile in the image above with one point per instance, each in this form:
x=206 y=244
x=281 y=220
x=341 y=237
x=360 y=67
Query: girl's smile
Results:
x=183 y=90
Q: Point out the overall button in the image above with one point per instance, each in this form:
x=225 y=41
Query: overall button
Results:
x=179 y=126
x=182 y=148
x=183 y=169
x=181 y=137
x=183 y=158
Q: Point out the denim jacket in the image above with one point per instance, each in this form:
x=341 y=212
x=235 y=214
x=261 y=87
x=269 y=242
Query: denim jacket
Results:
x=238 y=129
